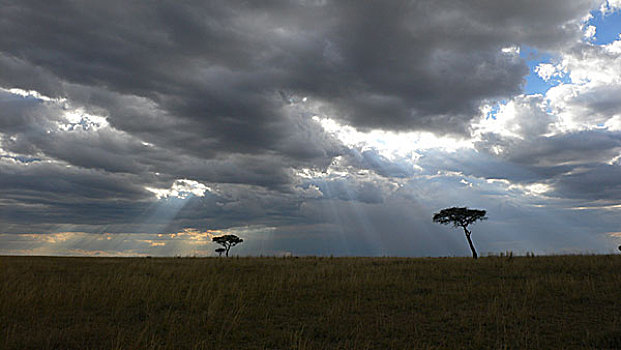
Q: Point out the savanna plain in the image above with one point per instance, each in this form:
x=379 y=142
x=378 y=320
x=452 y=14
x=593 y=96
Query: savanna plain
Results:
x=546 y=302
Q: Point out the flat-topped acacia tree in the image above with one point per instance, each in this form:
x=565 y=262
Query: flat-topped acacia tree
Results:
x=461 y=217
x=227 y=241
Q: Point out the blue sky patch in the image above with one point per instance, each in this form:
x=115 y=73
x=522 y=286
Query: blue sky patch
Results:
x=534 y=84
x=608 y=30
x=608 y=26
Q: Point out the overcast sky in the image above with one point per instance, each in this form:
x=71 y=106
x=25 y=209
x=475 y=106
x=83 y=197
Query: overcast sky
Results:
x=309 y=127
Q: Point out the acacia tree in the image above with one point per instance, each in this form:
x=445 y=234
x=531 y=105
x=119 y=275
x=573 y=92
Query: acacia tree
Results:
x=220 y=251
x=227 y=242
x=461 y=217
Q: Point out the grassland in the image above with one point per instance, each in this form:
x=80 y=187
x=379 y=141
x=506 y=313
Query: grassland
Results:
x=310 y=303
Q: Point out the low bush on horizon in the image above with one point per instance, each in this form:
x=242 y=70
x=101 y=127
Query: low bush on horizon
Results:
x=310 y=303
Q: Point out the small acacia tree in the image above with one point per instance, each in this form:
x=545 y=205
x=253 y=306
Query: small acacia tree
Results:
x=220 y=251
x=461 y=217
x=227 y=242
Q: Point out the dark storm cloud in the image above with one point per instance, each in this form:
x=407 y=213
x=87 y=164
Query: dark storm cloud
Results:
x=41 y=197
x=576 y=164
x=363 y=189
x=584 y=147
x=596 y=183
x=206 y=80
x=476 y=164
x=31 y=126
x=218 y=65
x=47 y=194
x=372 y=159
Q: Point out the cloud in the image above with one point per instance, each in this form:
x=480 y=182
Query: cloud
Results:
x=304 y=121
x=399 y=65
x=181 y=189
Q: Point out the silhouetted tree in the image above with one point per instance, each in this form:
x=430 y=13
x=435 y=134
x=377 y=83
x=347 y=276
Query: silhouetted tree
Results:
x=620 y=247
x=461 y=217
x=227 y=241
x=220 y=251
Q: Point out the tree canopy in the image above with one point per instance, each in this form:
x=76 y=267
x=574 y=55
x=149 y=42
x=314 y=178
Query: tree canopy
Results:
x=227 y=241
x=461 y=217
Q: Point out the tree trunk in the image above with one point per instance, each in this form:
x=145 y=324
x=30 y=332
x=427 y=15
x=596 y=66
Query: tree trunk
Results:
x=474 y=252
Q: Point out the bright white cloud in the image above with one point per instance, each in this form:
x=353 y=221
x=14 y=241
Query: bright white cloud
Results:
x=182 y=189
x=520 y=118
x=547 y=71
x=78 y=119
x=589 y=32
x=392 y=145
x=513 y=50
x=33 y=94
x=591 y=97
x=609 y=6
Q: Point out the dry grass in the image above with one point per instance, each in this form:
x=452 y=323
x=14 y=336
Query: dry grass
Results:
x=310 y=303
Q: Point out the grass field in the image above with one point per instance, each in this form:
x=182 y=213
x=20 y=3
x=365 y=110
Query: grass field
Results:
x=310 y=303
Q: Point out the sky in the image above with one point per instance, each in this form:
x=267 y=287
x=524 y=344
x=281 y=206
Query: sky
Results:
x=309 y=127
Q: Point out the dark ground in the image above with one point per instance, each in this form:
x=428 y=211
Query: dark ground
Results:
x=310 y=303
